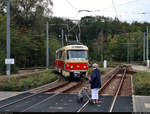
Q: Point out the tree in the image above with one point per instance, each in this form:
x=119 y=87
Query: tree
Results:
x=26 y=11
x=99 y=45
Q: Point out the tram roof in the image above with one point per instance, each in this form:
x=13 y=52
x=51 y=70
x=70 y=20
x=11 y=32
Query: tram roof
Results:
x=73 y=47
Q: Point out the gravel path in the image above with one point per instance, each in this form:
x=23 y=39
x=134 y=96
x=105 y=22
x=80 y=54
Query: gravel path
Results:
x=140 y=68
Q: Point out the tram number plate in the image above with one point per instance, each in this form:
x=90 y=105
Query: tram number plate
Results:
x=76 y=72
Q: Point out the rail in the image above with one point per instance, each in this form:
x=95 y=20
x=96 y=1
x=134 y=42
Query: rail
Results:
x=50 y=97
x=118 y=90
x=30 y=96
x=105 y=85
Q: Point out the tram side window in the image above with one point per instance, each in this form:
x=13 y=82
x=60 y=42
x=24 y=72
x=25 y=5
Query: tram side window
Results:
x=63 y=55
x=57 y=55
x=60 y=55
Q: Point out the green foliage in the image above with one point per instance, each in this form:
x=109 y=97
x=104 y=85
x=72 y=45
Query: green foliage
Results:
x=28 y=12
x=144 y=63
x=54 y=45
x=102 y=71
x=141 y=83
x=2 y=43
x=117 y=46
x=28 y=82
x=101 y=63
x=116 y=35
x=105 y=37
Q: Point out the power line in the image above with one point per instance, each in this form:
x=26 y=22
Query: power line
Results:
x=134 y=13
x=128 y=2
x=144 y=13
x=114 y=8
x=71 y=5
x=118 y=5
x=98 y=10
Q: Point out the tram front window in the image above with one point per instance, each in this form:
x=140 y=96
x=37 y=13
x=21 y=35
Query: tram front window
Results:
x=77 y=55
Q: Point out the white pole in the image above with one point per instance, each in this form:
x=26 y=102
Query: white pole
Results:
x=147 y=49
x=105 y=63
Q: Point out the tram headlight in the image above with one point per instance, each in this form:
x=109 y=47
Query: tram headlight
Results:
x=71 y=66
x=67 y=65
x=84 y=67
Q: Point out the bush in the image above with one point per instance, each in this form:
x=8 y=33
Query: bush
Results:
x=28 y=82
x=101 y=63
x=144 y=62
x=14 y=69
x=141 y=83
x=102 y=71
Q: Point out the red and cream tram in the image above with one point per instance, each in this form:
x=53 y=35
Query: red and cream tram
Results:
x=72 y=61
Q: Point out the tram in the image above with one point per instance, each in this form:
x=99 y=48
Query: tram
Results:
x=72 y=61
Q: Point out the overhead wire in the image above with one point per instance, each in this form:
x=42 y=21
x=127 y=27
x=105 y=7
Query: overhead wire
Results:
x=119 y=4
x=114 y=8
x=71 y=5
x=75 y=15
x=126 y=12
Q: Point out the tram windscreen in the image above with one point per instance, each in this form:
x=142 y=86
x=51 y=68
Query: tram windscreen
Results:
x=77 y=55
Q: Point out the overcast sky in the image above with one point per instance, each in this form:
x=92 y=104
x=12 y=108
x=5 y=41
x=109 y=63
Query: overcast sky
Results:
x=125 y=10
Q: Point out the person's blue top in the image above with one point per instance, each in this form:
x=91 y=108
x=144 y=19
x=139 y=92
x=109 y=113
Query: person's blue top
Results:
x=95 y=79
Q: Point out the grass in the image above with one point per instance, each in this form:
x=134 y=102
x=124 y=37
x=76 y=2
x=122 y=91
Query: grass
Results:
x=102 y=71
x=109 y=64
x=32 y=80
x=141 y=83
x=28 y=82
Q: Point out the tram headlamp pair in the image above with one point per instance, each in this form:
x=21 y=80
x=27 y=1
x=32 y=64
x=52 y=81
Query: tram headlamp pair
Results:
x=72 y=66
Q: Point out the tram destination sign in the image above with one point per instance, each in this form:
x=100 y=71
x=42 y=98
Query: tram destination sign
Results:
x=9 y=61
x=77 y=46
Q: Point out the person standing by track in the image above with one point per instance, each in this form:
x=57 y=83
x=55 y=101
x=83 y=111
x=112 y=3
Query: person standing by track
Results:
x=95 y=83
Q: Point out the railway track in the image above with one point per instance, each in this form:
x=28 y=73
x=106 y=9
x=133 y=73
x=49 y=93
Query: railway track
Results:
x=117 y=76
x=61 y=88
x=19 y=100
x=107 y=84
x=56 y=90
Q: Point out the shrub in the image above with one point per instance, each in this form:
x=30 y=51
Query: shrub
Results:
x=102 y=71
x=28 y=82
x=141 y=83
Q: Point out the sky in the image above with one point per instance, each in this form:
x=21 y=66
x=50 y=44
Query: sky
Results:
x=124 y=10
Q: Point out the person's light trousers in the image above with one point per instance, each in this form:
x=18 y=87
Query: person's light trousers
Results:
x=94 y=93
